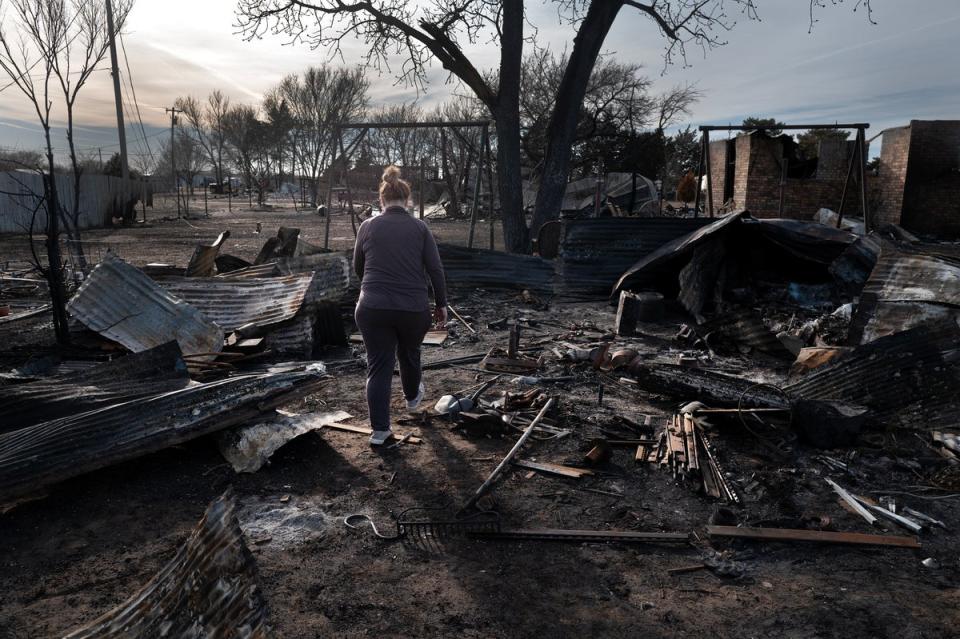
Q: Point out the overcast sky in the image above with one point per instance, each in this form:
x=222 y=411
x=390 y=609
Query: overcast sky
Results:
x=901 y=68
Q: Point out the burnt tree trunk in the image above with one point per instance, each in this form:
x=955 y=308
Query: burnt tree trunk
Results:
x=54 y=272
x=562 y=129
x=516 y=236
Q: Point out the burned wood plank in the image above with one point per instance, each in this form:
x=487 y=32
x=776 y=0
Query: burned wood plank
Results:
x=553 y=469
x=789 y=534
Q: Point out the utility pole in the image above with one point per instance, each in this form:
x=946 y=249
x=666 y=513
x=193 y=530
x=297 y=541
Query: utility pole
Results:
x=115 y=72
x=173 y=164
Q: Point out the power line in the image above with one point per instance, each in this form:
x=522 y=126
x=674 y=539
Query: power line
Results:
x=133 y=91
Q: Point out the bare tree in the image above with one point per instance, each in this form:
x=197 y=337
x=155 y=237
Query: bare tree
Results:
x=319 y=100
x=74 y=37
x=42 y=35
x=206 y=125
x=249 y=144
x=438 y=30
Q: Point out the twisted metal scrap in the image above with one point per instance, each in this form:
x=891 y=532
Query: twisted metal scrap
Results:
x=209 y=590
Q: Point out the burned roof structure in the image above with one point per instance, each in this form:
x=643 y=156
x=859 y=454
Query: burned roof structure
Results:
x=157 y=370
x=210 y=588
x=122 y=303
x=52 y=451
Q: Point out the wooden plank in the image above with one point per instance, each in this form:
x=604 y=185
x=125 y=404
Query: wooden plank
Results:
x=369 y=431
x=435 y=338
x=789 y=534
x=630 y=442
x=26 y=314
x=689 y=428
x=553 y=469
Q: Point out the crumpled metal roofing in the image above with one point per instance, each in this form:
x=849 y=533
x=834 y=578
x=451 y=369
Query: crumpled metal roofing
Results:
x=676 y=248
x=595 y=252
x=232 y=303
x=909 y=285
x=331 y=273
x=122 y=303
x=209 y=589
x=151 y=372
x=911 y=378
x=482 y=268
x=203 y=262
x=810 y=241
x=53 y=451
x=714 y=389
x=743 y=326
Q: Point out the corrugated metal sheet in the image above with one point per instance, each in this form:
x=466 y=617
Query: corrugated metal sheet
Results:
x=100 y=196
x=203 y=263
x=594 y=253
x=332 y=273
x=743 y=326
x=908 y=286
x=675 y=248
x=295 y=337
x=151 y=372
x=232 y=303
x=122 y=303
x=482 y=268
x=36 y=456
x=810 y=241
x=853 y=267
x=714 y=389
x=911 y=379
x=209 y=589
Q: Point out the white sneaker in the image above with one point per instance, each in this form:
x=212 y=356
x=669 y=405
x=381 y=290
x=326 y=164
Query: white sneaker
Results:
x=413 y=404
x=380 y=436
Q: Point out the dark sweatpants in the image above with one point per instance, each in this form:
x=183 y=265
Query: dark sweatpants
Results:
x=387 y=336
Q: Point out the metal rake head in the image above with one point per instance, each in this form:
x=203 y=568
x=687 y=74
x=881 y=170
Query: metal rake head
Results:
x=433 y=524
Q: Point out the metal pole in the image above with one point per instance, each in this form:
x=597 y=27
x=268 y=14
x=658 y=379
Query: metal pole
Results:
x=784 y=167
x=863 y=179
x=346 y=182
x=491 y=192
x=696 y=201
x=326 y=231
x=422 y=192
x=846 y=182
x=476 y=187
x=229 y=193
x=506 y=460
x=706 y=151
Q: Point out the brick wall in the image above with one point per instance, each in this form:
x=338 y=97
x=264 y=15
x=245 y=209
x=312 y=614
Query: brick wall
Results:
x=892 y=176
x=931 y=196
x=757 y=178
x=718 y=170
x=761 y=170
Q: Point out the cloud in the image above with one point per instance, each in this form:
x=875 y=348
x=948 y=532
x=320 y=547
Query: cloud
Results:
x=846 y=68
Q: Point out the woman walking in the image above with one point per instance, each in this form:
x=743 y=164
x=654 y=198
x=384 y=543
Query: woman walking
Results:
x=394 y=255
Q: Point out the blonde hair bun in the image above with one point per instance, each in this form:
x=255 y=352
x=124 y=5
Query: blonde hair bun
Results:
x=392 y=187
x=391 y=174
